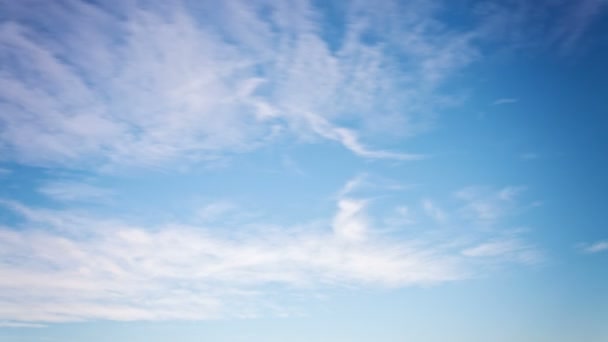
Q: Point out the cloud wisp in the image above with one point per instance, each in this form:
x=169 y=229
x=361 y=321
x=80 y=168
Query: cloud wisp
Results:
x=71 y=191
x=486 y=206
x=504 y=101
x=86 y=86
x=596 y=247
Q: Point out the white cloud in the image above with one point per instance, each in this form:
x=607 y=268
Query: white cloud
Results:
x=62 y=265
x=365 y=183
x=74 y=191
x=349 y=139
x=9 y=324
x=58 y=266
x=507 y=249
x=491 y=249
x=353 y=185
x=350 y=222
x=596 y=247
x=215 y=210
x=510 y=192
x=162 y=84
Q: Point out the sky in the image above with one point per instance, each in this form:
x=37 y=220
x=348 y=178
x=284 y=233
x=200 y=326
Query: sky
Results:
x=303 y=170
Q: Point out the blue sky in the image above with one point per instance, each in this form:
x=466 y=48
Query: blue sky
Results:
x=303 y=170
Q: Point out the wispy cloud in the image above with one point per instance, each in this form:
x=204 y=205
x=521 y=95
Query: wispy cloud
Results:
x=60 y=267
x=151 y=85
x=505 y=101
x=75 y=191
x=9 y=324
x=581 y=16
x=507 y=248
x=484 y=205
x=559 y=25
x=215 y=210
x=596 y=247
x=350 y=222
x=353 y=184
x=291 y=165
x=401 y=216
x=367 y=183
x=432 y=210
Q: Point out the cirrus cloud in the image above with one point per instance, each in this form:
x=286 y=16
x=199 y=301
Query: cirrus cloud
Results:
x=86 y=86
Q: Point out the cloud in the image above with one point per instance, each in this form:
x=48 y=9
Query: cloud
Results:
x=401 y=216
x=75 y=191
x=59 y=266
x=485 y=206
x=510 y=192
x=491 y=249
x=581 y=16
x=508 y=248
x=354 y=184
x=559 y=25
x=9 y=324
x=65 y=266
x=349 y=139
x=504 y=101
x=85 y=86
x=289 y=164
x=365 y=183
x=350 y=222
x=433 y=211
x=215 y=210
x=596 y=247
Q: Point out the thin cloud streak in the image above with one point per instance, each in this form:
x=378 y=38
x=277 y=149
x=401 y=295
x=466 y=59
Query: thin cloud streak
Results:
x=505 y=101
x=596 y=247
x=506 y=248
x=75 y=191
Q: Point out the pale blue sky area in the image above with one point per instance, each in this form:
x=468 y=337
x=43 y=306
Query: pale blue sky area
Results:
x=303 y=171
